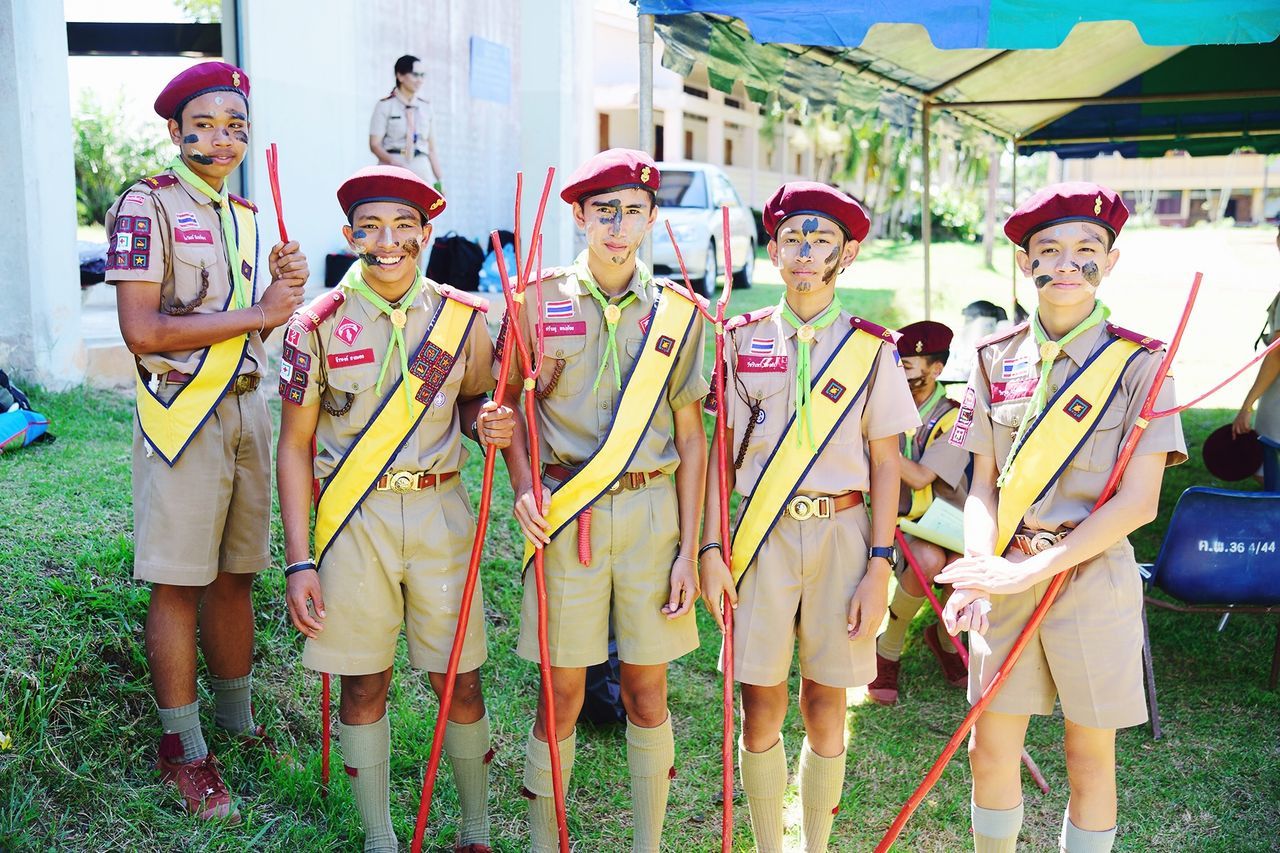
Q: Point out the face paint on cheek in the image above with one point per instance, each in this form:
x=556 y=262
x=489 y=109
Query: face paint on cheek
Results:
x=412 y=247
x=240 y=136
x=832 y=266
x=190 y=139
x=1043 y=281
x=202 y=159
x=1091 y=273
x=369 y=258
x=359 y=234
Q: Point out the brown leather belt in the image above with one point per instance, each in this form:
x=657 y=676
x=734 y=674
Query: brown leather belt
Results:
x=403 y=482
x=244 y=383
x=628 y=481
x=801 y=507
x=1031 y=542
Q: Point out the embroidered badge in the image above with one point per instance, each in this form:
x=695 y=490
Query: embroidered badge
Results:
x=1016 y=368
x=665 y=344
x=141 y=225
x=292 y=335
x=138 y=261
x=299 y=379
x=645 y=321
x=440 y=400
x=562 y=330
x=1077 y=408
x=185 y=221
x=1018 y=389
x=246 y=270
x=338 y=360
x=135 y=198
x=141 y=243
x=347 y=331
x=964 y=419
x=759 y=417
x=124 y=241
x=834 y=391
x=762 y=364
x=1097 y=206
x=125 y=223
x=761 y=346
x=500 y=344
x=558 y=309
x=432 y=365
x=286 y=371
x=199 y=236
x=302 y=361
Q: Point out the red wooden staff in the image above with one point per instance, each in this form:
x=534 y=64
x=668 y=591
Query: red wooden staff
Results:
x=722 y=464
x=927 y=586
x=477 y=547
x=1126 y=453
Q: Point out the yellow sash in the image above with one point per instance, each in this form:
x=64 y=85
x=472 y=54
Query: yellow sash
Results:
x=642 y=391
x=1057 y=435
x=366 y=460
x=833 y=395
x=922 y=498
x=169 y=427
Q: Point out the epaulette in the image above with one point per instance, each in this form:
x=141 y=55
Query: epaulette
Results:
x=470 y=300
x=158 y=181
x=389 y=97
x=750 y=317
x=872 y=329
x=546 y=275
x=310 y=316
x=671 y=285
x=1139 y=339
x=243 y=202
x=1002 y=336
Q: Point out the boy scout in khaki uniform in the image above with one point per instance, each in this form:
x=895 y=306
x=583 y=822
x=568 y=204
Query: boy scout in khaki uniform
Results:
x=184 y=258
x=932 y=469
x=817 y=402
x=618 y=414
x=387 y=373
x=1047 y=408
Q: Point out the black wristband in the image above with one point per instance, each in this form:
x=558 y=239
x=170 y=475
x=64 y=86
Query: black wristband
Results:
x=300 y=566
x=710 y=546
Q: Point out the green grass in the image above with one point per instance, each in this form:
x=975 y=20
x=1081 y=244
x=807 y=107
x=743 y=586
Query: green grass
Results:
x=75 y=699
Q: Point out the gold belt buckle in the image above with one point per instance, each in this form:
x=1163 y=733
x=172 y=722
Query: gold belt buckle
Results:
x=615 y=487
x=1041 y=541
x=403 y=482
x=803 y=507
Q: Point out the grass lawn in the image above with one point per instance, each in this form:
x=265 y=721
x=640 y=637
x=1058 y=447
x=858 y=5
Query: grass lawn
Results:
x=75 y=699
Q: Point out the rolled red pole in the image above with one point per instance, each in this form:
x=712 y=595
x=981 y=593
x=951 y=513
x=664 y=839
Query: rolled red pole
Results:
x=1032 y=768
x=1033 y=624
x=273 y=174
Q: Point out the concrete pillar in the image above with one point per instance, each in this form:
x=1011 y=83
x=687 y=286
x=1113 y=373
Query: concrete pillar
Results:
x=40 y=289
x=715 y=128
x=673 y=129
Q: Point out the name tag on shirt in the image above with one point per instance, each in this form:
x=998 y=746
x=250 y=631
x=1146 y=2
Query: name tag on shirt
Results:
x=561 y=330
x=198 y=235
x=350 y=359
x=1018 y=389
x=762 y=363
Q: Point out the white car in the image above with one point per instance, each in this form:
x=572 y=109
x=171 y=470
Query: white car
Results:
x=690 y=198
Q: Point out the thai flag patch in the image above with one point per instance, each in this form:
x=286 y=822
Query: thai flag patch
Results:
x=762 y=346
x=558 y=309
x=1015 y=368
x=185 y=220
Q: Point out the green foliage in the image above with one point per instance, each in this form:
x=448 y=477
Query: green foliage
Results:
x=201 y=11
x=110 y=155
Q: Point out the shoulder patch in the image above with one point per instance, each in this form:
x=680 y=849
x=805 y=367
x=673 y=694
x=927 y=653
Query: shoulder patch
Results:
x=668 y=284
x=1141 y=340
x=243 y=202
x=310 y=316
x=872 y=329
x=479 y=303
x=750 y=317
x=547 y=274
x=158 y=181
x=1002 y=336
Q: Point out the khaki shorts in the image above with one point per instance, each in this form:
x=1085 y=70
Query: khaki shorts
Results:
x=800 y=585
x=211 y=512
x=401 y=559
x=1087 y=652
x=634 y=541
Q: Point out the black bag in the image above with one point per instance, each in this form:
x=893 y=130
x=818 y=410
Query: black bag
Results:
x=602 y=704
x=456 y=261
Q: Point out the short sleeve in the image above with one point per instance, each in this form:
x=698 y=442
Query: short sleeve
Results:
x=301 y=371
x=890 y=408
x=1162 y=435
x=378 y=122
x=136 y=249
x=478 y=377
x=1273 y=319
x=945 y=459
x=687 y=384
x=972 y=429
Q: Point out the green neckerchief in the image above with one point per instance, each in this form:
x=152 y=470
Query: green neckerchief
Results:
x=805 y=334
x=222 y=204
x=612 y=312
x=1049 y=352
x=938 y=393
x=354 y=282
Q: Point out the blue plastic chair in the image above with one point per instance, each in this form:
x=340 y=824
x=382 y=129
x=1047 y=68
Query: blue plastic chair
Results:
x=1221 y=554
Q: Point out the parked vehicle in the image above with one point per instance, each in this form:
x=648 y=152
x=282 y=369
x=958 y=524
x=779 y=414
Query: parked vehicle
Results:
x=690 y=198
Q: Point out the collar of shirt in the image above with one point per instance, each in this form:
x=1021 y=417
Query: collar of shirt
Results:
x=787 y=331
x=640 y=283
x=196 y=196
x=368 y=312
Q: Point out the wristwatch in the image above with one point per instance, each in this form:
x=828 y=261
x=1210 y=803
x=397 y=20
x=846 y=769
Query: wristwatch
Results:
x=889 y=553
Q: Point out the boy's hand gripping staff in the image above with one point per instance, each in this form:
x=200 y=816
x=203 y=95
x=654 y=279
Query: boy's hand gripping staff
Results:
x=722 y=464
x=482 y=526
x=1126 y=453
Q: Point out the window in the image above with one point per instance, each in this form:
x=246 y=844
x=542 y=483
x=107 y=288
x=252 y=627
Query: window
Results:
x=1169 y=203
x=604 y=131
x=688 y=145
x=658 y=146
x=728 y=152
x=724 y=192
x=683 y=189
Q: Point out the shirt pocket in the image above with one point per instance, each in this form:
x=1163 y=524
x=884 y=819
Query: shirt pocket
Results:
x=193 y=265
x=349 y=392
x=1100 y=449
x=441 y=406
x=566 y=361
x=766 y=397
x=1007 y=418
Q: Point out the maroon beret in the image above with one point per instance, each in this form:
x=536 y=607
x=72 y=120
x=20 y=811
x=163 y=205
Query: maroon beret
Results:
x=195 y=81
x=924 y=338
x=1073 y=201
x=389 y=183
x=809 y=197
x=615 y=169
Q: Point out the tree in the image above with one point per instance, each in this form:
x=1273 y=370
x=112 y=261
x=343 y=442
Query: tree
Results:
x=201 y=11
x=109 y=156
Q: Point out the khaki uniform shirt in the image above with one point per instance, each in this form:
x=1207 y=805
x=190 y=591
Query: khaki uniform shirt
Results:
x=884 y=408
x=341 y=359
x=572 y=421
x=940 y=456
x=997 y=407
x=1268 y=419
x=390 y=124
x=168 y=235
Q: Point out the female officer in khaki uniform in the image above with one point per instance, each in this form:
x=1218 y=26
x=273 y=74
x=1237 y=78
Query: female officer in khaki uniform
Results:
x=817 y=401
x=1047 y=408
x=388 y=373
x=400 y=130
